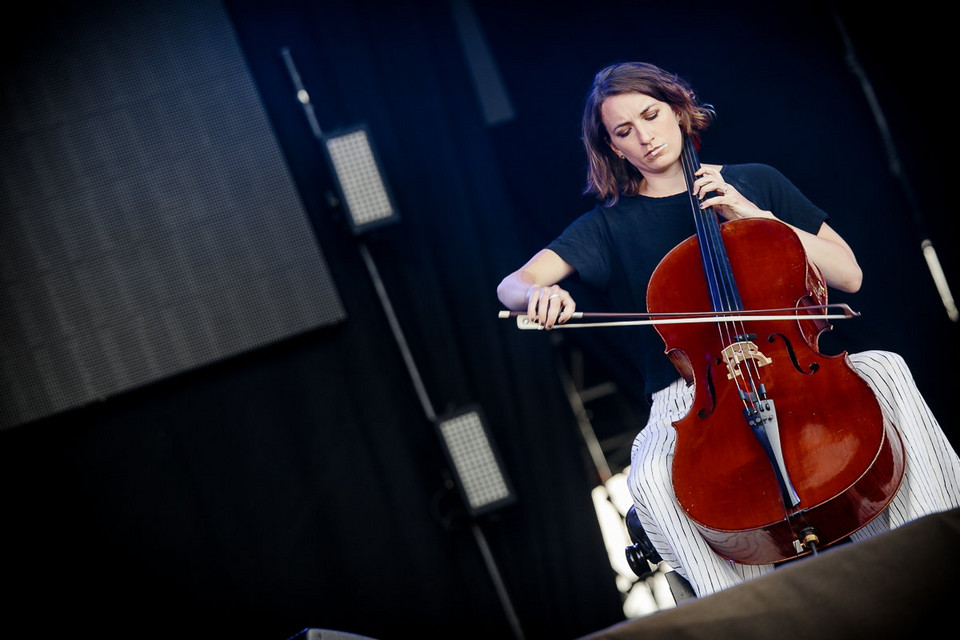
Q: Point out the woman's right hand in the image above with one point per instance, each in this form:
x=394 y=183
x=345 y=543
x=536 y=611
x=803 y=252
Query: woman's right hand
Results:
x=548 y=306
x=527 y=289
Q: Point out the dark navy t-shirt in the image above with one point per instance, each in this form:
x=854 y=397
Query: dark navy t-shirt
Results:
x=616 y=249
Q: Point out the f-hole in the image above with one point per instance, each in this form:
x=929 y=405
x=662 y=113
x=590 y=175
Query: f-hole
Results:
x=813 y=368
x=704 y=413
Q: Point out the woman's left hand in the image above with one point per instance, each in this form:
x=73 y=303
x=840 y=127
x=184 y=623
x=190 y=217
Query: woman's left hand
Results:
x=726 y=200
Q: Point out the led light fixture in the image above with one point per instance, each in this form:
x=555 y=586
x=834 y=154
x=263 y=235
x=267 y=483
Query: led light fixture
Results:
x=480 y=476
x=364 y=194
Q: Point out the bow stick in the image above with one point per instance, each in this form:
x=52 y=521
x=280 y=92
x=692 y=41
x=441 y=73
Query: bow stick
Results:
x=686 y=317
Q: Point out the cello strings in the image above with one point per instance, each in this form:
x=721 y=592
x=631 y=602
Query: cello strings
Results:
x=688 y=157
x=744 y=370
x=720 y=282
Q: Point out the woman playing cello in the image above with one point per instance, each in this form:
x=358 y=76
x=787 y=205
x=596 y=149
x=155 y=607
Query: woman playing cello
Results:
x=635 y=122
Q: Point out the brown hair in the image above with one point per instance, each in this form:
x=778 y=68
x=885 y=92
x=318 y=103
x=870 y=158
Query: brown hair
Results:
x=608 y=176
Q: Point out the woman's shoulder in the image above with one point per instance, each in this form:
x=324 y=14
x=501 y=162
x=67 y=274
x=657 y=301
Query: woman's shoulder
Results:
x=751 y=170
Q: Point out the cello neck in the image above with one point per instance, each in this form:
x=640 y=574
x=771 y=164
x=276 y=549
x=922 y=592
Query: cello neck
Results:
x=721 y=285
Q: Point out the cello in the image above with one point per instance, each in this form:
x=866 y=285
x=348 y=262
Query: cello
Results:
x=784 y=449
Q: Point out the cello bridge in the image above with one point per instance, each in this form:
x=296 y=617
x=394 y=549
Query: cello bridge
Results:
x=739 y=352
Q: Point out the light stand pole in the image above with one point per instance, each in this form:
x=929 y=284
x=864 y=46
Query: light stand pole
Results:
x=896 y=168
x=368 y=203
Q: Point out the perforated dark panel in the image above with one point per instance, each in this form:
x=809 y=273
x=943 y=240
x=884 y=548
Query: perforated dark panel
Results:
x=148 y=221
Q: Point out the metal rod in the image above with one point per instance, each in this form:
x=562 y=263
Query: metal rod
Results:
x=431 y=415
x=896 y=168
x=497 y=580
x=587 y=431
x=302 y=96
x=398 y=334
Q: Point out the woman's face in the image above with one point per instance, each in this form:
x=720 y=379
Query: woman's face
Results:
x=644 y=130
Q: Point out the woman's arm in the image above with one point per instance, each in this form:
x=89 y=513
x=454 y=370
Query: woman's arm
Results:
x=826 y=249
x=533 y=288
x=833 y=257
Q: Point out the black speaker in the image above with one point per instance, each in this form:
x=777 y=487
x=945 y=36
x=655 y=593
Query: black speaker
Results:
x=326 y=634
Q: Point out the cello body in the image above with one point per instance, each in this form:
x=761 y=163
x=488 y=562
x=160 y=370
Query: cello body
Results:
x=845 y=462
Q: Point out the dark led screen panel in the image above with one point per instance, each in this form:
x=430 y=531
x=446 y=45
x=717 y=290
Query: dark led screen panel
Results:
x=149 y=224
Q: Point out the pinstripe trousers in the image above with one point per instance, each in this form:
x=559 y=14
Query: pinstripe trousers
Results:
x=931 y=480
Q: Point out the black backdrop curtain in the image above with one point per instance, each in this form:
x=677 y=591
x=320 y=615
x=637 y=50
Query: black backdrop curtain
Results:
x=302 y=485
